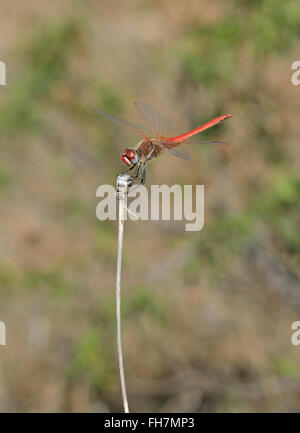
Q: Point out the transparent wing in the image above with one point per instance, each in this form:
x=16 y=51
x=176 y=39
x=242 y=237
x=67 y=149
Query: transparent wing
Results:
x=179 y=151
x=159 y=125
x=139 y=129
x=195 y=141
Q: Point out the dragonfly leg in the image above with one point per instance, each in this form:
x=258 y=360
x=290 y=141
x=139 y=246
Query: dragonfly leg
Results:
x=137 y=173
x=133 y=188
x=143 y=175
x=133 y=178
x=150 y=154
x=141 y=167
x=131 y=168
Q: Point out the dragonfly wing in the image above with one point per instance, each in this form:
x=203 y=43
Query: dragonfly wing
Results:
x=195 y=141
x=159 y=125
x=139 y=129
x=180 y=152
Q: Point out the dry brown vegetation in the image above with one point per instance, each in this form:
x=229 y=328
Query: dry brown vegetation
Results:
x=206 y=316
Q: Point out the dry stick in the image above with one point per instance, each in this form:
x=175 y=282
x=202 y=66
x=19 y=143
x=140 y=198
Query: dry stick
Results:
x=123 y=181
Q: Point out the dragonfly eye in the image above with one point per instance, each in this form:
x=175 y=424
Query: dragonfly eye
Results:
x=125 y=159
x=129 y=157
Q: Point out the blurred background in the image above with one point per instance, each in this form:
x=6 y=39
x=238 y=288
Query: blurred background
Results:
x=206 y=315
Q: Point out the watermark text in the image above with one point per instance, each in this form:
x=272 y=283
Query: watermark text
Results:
x=295 y=335
x=161 y=202
x=2 y=334
x=295 y=78
x=2 y=74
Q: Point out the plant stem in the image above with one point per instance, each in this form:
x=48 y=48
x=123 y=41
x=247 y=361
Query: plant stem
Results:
x=122 y=183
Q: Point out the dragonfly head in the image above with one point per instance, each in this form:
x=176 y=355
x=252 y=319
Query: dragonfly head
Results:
x=130 y=157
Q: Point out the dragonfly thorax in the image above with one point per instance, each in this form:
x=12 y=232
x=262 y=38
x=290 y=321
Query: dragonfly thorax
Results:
x=129 y=157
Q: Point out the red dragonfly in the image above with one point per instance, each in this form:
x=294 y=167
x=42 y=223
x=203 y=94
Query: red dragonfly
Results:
x=157 y=134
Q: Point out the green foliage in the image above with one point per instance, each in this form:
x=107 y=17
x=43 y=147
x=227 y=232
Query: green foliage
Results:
x=281 y=209
x=76 y=210
x=231 y=234
x=283 y=194
x=47 y=57
x=210 y=53
x=108 y=98
x=91 y=360
x=53 y=280
x=10 y=277
x=230 y=404
x=277 y=207
x=275 y=26
x=48 y=54
x=105 y=240
x=286 y=368
x=6 y=176
x=141 y=300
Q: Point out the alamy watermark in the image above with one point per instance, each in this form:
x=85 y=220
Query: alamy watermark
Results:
x=156 y=204
x=295 y=339
x=295 y=78
x=2 y=334
x=2 y=74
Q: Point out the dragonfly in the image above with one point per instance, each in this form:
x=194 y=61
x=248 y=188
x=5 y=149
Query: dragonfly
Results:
x=157 y=134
